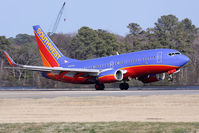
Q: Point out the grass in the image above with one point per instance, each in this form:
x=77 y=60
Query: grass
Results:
x=101 y=127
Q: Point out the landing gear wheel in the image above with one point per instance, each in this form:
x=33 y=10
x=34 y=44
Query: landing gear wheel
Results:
x=170 y=77
x=124 y=86
x=99 y=86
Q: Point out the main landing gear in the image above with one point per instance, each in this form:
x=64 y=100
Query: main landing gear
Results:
x=99 y=86
x=124 y=86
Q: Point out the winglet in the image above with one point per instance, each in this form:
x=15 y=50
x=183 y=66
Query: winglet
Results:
x=10 y=60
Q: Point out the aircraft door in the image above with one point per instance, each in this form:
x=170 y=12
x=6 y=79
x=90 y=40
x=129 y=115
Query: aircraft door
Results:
x=159 y=57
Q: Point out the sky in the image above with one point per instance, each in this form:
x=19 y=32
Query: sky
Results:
x=18 y=16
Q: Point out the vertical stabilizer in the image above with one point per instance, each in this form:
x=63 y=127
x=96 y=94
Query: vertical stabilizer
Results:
x=50 y=54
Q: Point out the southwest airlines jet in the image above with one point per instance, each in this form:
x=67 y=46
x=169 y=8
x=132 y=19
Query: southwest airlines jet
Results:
x=146 y=66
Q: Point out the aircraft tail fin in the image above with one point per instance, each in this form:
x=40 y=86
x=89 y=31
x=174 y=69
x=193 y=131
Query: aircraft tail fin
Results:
x=50 y=54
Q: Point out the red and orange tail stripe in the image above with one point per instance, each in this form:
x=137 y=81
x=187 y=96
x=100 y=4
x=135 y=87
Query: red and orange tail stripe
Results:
x=10 y=60
x=50 y=55
x=47 y=58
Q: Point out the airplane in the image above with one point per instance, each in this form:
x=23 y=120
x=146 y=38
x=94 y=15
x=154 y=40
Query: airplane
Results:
x=147 y=65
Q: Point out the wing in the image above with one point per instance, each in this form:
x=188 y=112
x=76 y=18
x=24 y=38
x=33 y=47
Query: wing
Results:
x=48 y=69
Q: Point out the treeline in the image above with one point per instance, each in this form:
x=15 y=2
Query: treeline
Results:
x=168 y=32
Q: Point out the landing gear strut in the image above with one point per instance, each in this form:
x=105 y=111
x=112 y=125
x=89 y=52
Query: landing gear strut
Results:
x=99 y=86
x=170 y=77
x=124 y=86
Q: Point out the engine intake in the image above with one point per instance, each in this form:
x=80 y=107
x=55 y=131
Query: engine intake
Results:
x=118 y=75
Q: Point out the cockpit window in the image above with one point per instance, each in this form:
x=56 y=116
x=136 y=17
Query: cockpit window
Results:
x=172 y=54
x=177 y=53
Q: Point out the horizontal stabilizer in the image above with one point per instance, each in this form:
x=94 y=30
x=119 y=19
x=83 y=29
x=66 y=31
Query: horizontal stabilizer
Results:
x=10 y=60
x=48 y=69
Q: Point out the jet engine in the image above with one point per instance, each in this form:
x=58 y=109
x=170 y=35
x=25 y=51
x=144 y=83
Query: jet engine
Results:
x=110 y=76
x=152 y=78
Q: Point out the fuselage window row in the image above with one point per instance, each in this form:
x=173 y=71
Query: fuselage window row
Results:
x=122 y=62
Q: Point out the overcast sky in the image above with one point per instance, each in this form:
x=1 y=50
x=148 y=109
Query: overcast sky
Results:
x=18 y=16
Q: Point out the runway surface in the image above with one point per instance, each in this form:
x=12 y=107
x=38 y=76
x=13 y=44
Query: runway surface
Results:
x=97 y=106
x=53 y=94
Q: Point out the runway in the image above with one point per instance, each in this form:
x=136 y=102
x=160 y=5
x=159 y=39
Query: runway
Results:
x=99 y=106
x=53 y=94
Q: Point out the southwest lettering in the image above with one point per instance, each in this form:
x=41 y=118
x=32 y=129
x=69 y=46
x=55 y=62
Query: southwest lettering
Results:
x=48 y=44
x=42 y=36
x=53 y=52
x=45 y=39
x=39 y=31
x=58 y=56
x=51 y=47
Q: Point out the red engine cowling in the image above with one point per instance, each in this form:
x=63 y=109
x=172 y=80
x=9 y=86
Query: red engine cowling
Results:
x=110 y=76
x=152 y=78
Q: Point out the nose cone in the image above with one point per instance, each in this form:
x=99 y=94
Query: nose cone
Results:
x=183 y=60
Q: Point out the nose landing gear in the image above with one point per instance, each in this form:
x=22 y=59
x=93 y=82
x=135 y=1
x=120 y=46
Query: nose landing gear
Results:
x=171 y=72
x=170 y=78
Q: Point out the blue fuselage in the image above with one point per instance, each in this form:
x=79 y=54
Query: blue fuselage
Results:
x=147 y=57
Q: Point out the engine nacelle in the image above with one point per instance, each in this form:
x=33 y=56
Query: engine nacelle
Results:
x=152 y=78
x=110 y=76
